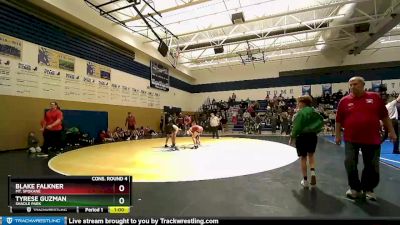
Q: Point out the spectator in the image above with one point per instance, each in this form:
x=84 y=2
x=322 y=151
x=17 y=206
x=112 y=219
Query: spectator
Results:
x=274 y=122
x=223 y=122
x=141 y=131
x=118 y=134
x=105 y=137
x=394 y=117
x=134 y=135
x=33 y=143
x=284 y=123
x=152 y=132
x=180 y=121
x=126 y=134
x=250 y=109
x=214 y=123
x=187 y=121
x=146 y=131
x=235 y=115
x=161 y=123
x=258 y=125
x=332 y=117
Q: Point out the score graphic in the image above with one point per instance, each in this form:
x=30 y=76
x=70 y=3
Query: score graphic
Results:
x=98 y=194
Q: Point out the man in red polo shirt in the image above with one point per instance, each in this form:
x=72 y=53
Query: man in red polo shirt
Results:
x=360 y=113
x=52 y=128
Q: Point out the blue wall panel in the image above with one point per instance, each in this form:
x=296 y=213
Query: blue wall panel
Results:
x=91 y=122
x=78 y=43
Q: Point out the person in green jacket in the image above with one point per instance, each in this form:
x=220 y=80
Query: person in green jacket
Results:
x=307 y=123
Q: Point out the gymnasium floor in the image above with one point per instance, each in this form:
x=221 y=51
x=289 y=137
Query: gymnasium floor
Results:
x=272 y=193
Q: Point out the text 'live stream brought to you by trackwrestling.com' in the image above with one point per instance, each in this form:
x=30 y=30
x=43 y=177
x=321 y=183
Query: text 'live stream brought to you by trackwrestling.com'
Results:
x=59 y=220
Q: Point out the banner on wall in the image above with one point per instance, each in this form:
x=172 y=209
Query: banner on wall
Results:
x=72 y=86
x=55 y=59
x=97 y=70
x=51 y=83
x=88 y=89
x=103 y=93
x=143 y=97
x=306 y=90
x=6 y=82
x=159 y=76
x=134 y=95
x=10 y=46
x=27 y=80
x=126 y=95
x=115 y=93
x=326 y=89
x=157 y=99
x=54 y=77
x=375 y=85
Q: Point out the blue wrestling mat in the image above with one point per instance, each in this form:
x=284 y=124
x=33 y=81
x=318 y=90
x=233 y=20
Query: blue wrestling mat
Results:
x=387 y=155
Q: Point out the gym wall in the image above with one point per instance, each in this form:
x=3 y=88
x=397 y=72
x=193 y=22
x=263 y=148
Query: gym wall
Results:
x=20 y=115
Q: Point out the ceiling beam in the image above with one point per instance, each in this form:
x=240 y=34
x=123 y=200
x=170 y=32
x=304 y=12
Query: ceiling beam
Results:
x=306 y=31
x=279 y=15
x=191 y=3
x=268 y=49
x=381 y=29
x=251 y=37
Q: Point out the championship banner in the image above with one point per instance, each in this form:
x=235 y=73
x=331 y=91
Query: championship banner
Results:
x=143 y=97
x=115 y=93
x=157 y=99
x=97 y=70
x=159 y=76
x=126 y=94
x=306 y=90
x=6 y=82
x=72 y=86
x=27 y=80
x=326 y=89
x=375 y=85
x=10 y=46
x=134 y=95
x=55 y=59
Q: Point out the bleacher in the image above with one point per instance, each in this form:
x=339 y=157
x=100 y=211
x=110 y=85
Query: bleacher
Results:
x=239 y=126
x=263 y=106
x=208 y=107
x=262 y=109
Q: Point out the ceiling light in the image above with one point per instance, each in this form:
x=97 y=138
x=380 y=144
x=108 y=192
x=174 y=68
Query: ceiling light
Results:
x=137 y=2
x=324 y=19
x=218 y=49
x=237 y=18
x=389 y=41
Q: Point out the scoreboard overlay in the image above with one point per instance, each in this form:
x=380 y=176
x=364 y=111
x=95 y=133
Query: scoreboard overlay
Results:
x=91 y=194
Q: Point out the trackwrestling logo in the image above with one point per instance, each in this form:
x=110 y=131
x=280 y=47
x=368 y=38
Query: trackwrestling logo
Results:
x=32 y=220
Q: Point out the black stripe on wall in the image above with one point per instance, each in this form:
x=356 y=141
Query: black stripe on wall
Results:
x=341 y=74
x=341 y=69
